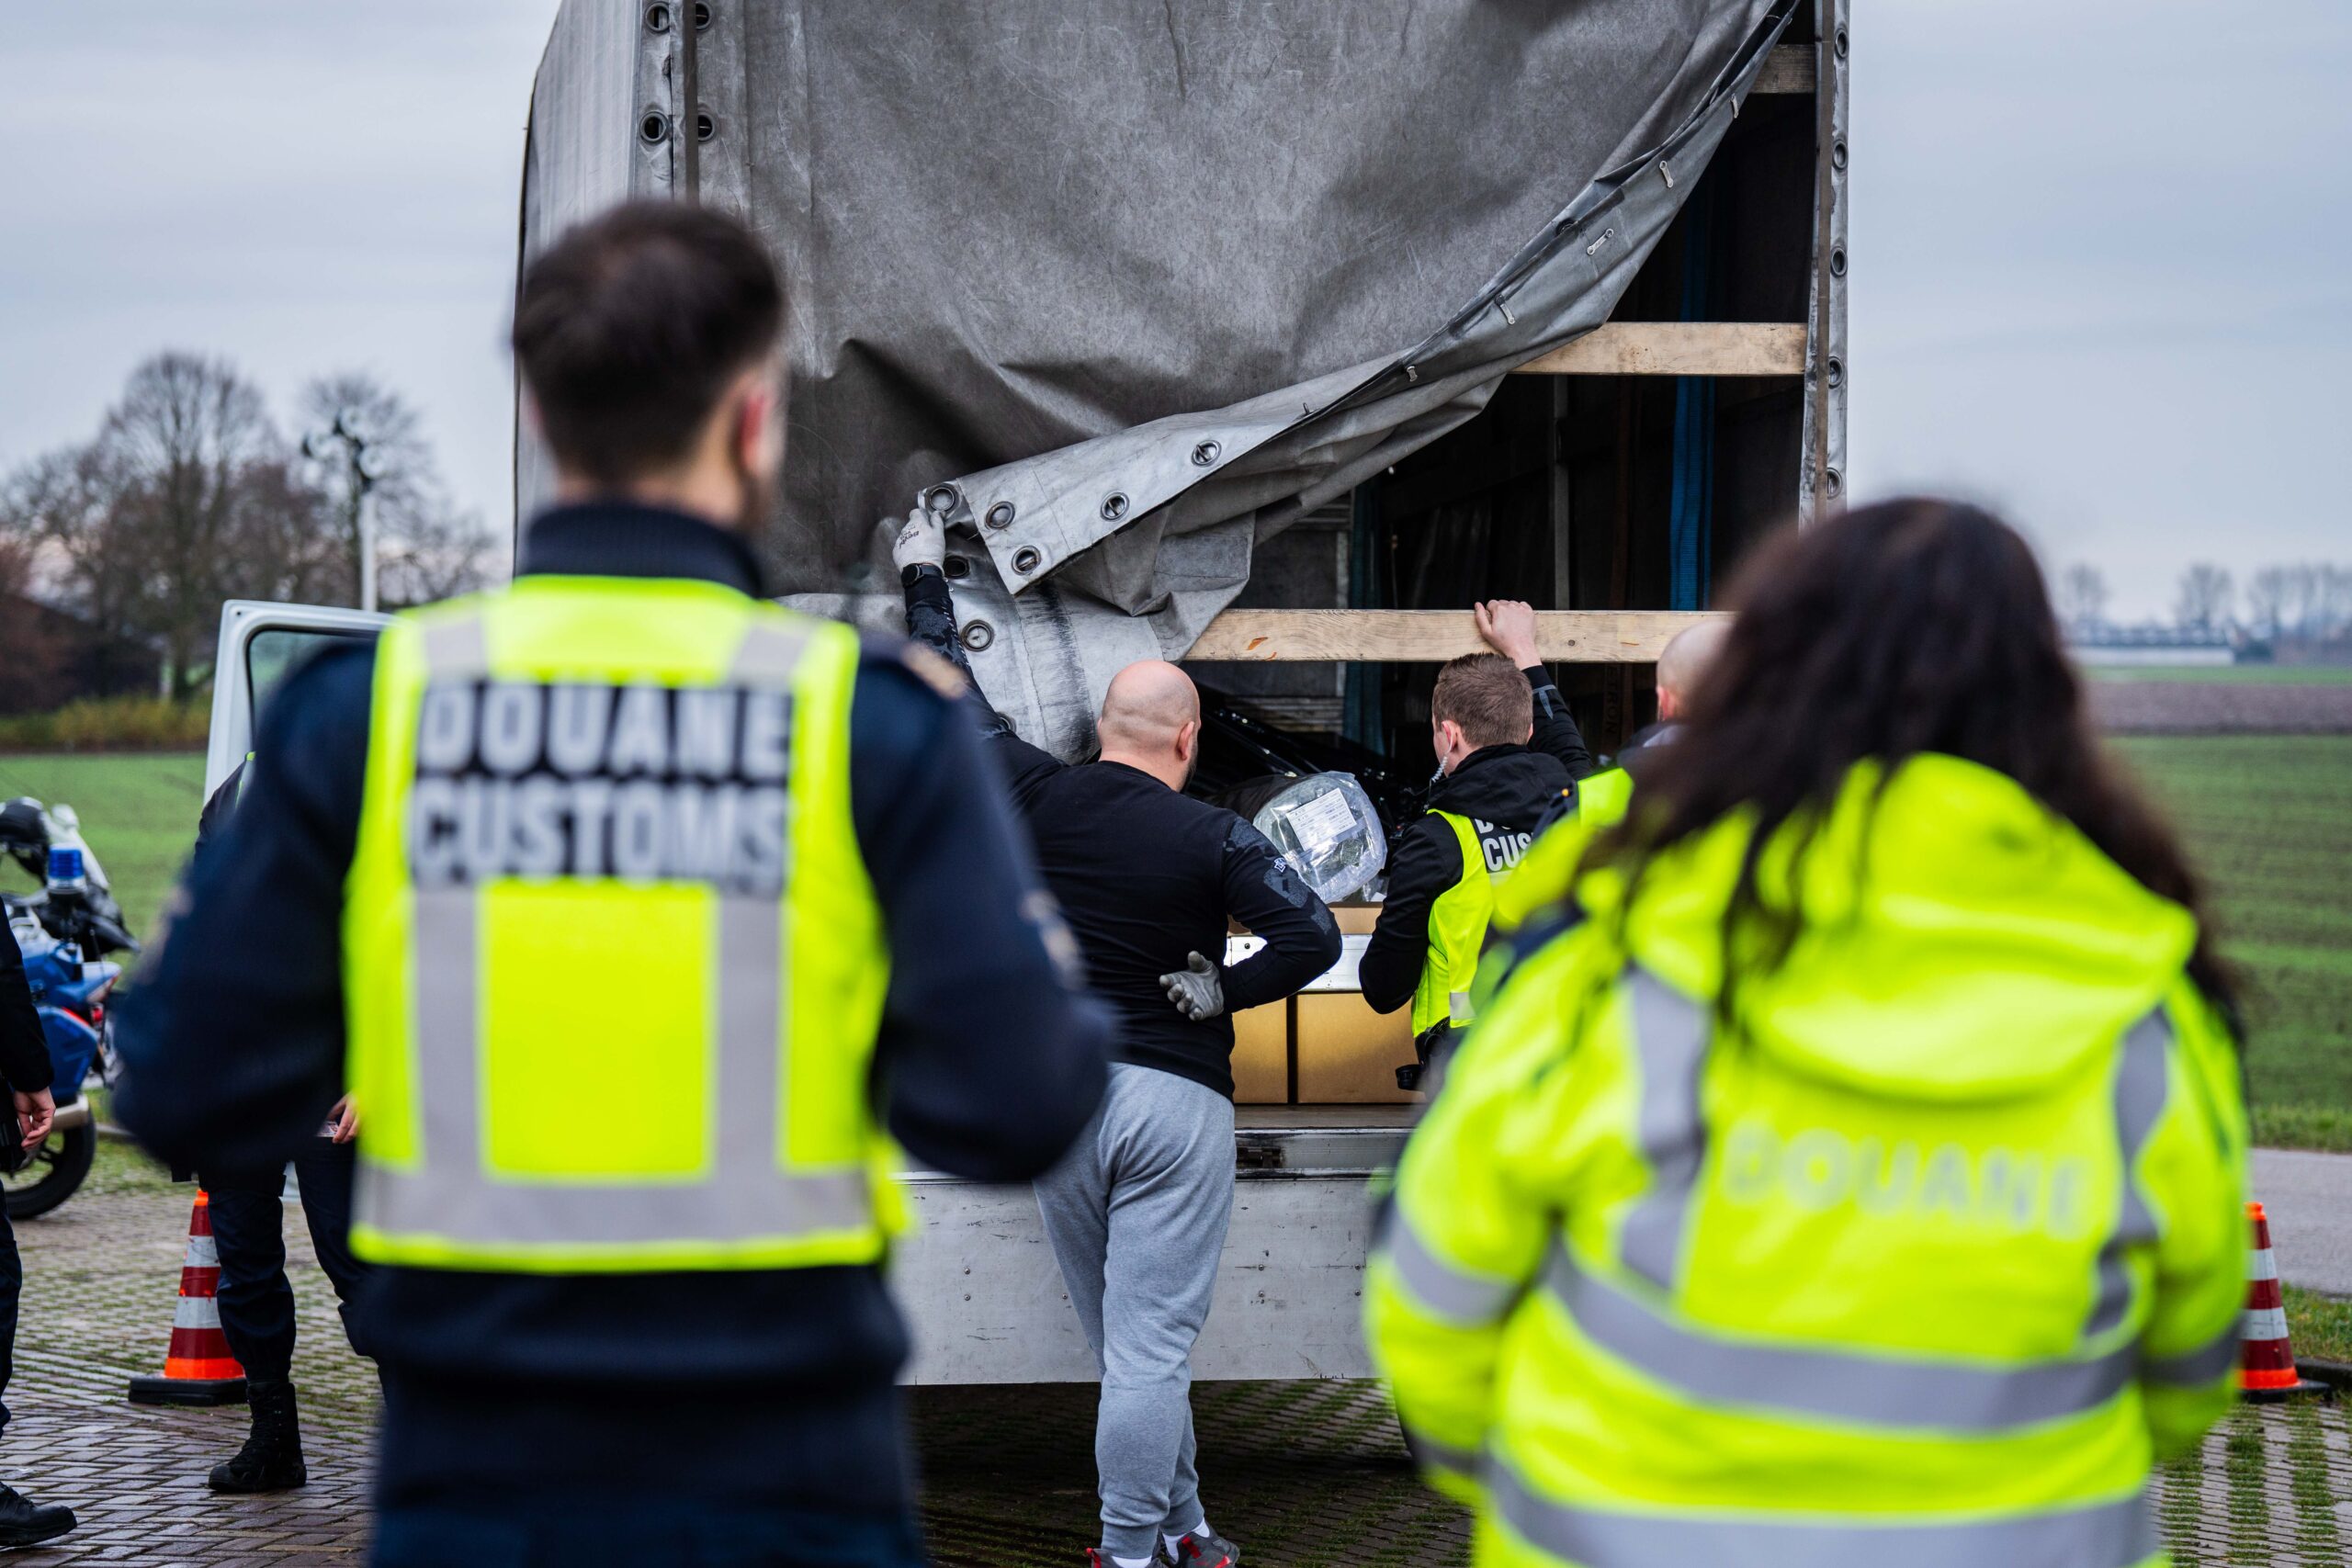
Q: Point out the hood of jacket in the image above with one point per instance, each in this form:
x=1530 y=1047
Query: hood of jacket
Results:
x=1958 y=939
x=1511 y=787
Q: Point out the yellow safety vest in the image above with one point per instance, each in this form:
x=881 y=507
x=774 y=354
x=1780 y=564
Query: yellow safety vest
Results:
x=1540 y=880
x=1923 y=1264
x=1601 y=799
x=607 y=821
x=1458 y=919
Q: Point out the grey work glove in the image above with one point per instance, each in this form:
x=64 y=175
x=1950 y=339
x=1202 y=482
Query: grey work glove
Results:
x=1196 y=989
x=921 y=540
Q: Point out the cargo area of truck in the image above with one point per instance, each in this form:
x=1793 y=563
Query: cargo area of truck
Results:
x=985 y=1302
x=1540 y=305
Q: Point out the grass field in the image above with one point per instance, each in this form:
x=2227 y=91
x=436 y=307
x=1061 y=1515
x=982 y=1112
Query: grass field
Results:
x=2269 y=819
x=2228 y=674
x=138 y=811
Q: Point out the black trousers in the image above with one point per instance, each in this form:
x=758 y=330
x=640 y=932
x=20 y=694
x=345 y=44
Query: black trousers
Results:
x=248 y=1230
x=12 y=1285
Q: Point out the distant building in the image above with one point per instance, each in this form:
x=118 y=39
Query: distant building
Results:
x=51 y=657
x=2151 y=645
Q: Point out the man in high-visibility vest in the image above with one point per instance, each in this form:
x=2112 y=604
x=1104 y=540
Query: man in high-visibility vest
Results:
x=1506 y=749
x=633 y=910
x=1529 y=904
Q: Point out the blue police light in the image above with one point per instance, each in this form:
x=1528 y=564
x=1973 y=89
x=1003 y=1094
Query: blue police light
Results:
x=64 y=865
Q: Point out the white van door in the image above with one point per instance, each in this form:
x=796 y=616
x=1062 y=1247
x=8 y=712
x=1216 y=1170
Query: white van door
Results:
x=260 y=645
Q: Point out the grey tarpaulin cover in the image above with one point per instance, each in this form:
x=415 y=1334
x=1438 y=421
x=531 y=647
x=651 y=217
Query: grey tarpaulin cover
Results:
x=1144 y=280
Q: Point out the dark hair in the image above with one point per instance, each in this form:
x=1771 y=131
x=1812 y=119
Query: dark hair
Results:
x=629 y=328
x=1914 y=626
x=1487 y=696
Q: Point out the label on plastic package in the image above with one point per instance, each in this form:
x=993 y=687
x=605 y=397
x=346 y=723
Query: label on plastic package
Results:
x=1321 y=821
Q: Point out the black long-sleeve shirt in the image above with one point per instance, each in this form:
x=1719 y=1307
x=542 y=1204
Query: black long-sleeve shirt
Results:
x=1145 y=877
x=988 y=1063
x=1506 y=791
x=24 y=1054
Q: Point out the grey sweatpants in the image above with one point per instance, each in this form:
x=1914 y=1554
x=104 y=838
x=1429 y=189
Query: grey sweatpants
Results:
x=1136 y=1213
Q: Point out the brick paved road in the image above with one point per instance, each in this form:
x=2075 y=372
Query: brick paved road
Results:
x=1304 y=1474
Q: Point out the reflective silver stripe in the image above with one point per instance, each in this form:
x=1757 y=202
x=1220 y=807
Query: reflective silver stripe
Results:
x=455 y=650
x=2140 y=1087
x=755 y=1206
x=1671 y=1033
x=196 y=1312
x=2103 y=1535
x=1457 y=1295
x=1457 y=1008
x=2195 y=1369
x=748 y=1015
x=1845 y=1385
x=770 y=652
x=446 y=1012
x=1434 y=1455
x=453 y=1197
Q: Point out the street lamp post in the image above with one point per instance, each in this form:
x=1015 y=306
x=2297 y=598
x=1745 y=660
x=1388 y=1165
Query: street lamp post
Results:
x=362 y=463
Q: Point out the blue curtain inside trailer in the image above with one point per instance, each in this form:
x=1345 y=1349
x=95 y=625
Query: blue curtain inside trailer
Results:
x=1691 y=518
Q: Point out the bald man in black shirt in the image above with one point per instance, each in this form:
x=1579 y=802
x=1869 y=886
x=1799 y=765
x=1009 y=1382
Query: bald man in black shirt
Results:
x=1147 y=878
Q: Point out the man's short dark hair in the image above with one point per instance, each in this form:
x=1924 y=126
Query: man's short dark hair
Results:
x=629 y=328
x=1487 y=697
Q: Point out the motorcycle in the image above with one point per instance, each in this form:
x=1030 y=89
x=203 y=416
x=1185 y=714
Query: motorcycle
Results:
x=70 y=993
x=76 y=902
x=57 y=929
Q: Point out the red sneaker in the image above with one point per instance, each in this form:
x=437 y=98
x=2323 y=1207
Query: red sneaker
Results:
x=1205 y=1549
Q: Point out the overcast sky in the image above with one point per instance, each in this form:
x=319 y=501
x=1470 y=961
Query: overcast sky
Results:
x=2099 y=277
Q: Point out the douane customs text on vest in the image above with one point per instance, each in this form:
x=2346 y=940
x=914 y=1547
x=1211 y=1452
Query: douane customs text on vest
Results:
x=582 y=781
x=1503 y=846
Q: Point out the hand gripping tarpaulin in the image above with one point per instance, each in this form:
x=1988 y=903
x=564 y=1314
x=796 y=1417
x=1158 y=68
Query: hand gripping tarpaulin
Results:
x=1144 y=280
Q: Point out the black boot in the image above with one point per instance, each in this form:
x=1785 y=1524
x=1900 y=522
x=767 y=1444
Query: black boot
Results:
x=271 y=1460
x=23 y=1522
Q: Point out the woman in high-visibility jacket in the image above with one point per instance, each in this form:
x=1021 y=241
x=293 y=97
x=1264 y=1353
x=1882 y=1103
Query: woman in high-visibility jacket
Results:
x=1860 y=1179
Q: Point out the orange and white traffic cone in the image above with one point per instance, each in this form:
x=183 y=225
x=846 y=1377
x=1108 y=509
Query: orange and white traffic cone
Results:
x=197 y=1367
x=2265 y=1359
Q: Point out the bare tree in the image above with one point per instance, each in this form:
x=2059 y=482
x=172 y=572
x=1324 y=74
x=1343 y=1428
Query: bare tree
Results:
x=2083 y=596
x=426 y=549
x=2335 y=601
x=65 y=508
x=2265 y=601
x=2299 y=606
x=282 y=543
x=2204 y=598
x=183 y=437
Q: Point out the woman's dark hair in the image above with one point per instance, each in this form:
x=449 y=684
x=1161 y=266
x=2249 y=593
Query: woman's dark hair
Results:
x=1910 y=627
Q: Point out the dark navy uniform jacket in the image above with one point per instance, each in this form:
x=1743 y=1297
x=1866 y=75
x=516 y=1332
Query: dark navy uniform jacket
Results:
x=763 y=1388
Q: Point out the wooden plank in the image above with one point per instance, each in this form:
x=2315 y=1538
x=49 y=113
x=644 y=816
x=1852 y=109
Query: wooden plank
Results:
x=1678 y=348
x=1788 y=69
x=1432 y=637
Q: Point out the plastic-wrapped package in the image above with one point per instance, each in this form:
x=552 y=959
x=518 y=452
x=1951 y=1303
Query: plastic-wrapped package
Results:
x=1325 y=825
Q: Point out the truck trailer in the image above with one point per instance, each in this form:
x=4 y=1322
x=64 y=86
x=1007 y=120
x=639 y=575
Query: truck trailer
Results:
x=1263 y=337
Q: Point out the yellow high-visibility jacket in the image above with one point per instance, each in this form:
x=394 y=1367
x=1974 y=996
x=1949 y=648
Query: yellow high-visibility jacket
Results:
x=1922 y=1259
x=561 y=773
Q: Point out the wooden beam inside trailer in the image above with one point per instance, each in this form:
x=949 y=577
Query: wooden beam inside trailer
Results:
x=1678 y=348
x=1788 y=69
x=1432 y=637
